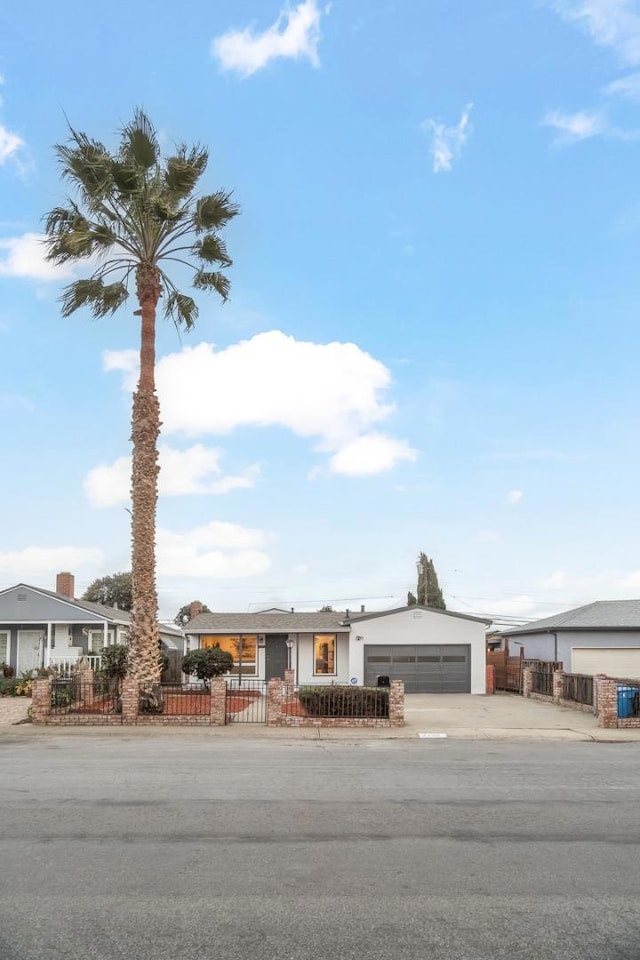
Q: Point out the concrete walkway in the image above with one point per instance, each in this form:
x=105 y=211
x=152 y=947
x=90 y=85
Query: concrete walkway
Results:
x=459 y=716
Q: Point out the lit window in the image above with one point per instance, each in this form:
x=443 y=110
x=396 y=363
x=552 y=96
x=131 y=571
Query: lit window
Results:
x=324 y=654
x=242 y=648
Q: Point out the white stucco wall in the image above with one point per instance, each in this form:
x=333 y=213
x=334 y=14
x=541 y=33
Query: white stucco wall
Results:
x=419 y=627
x=541 y=646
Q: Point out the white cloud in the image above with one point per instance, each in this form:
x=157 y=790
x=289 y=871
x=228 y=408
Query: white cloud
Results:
x=10 y=143
x=573 y=127
x=370 y=454
x=609 y=23
x=300 y=569
x=333 y=392
x=293 y=36
x=217 y=549
x=181 y=472
x=514 y=496
x=628 y=87
x=47 y=561
x=447 y=142
x=25 y=257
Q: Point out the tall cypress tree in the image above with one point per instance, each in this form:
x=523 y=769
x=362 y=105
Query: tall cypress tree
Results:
x=429 y=593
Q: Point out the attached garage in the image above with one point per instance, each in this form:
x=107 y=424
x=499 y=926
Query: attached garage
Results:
x=431 y=651
x=613 y=661
x=424 y=668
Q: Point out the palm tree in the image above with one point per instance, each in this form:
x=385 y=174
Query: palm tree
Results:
x=134 y=215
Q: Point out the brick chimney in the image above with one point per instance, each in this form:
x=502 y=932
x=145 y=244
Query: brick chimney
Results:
x=195 y=607
x=65 y=584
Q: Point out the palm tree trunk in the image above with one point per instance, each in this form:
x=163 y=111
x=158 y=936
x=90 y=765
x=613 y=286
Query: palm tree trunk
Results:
x=145 y=426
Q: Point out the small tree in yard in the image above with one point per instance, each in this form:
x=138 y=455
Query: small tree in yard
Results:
x=205 y=664
x=115 y=661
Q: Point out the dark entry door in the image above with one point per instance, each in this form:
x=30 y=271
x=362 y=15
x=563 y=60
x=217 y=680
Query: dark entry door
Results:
x=276 y=657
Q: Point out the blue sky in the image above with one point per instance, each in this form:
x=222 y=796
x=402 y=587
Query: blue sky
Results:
x=432 y=337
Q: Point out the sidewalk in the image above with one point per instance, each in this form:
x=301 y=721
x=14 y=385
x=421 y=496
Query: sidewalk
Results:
x=458 y=716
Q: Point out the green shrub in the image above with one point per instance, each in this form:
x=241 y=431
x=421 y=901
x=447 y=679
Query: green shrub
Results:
x=337 y=701
x=8 y=686
x=62 y=693
x=163 y=659
x=115 y=661
x=205 y=664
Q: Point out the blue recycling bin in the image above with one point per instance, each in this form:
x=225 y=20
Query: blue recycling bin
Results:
x=626 y=696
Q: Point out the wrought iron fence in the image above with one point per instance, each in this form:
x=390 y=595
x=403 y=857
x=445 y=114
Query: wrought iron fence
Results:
x=72 y=696
x=542 y=682
x=174 y=699
x=578 y=687
x=342 y=702
x=246 y=701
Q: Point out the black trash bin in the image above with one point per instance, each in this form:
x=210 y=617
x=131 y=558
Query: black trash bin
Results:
x=384 y=681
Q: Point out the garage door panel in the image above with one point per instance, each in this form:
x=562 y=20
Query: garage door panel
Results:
x=424 y=668
x=612 y=661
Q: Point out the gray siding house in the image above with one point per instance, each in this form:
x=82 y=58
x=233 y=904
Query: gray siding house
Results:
x=600 y=637
x=43 y=627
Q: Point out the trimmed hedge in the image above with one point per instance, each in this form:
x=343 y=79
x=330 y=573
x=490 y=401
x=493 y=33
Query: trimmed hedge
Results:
x=339 y=701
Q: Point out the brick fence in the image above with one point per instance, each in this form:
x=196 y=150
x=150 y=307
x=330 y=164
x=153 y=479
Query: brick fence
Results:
x=605 y=698
x=87 y=710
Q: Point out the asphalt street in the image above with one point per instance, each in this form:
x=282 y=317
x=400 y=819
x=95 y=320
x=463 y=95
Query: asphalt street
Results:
x=189 y=848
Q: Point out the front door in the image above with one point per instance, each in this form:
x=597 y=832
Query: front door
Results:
x=29 y=650
x=276 y=657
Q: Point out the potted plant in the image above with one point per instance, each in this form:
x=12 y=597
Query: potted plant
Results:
x=7 y=671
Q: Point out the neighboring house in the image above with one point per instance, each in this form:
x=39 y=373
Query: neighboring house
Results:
x=601 y=637
x=433 y=651
x=41 y=627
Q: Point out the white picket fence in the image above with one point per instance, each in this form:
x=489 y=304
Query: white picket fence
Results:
x=65 y=666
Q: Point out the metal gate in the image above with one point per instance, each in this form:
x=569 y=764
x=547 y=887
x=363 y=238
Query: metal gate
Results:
x=246 y=701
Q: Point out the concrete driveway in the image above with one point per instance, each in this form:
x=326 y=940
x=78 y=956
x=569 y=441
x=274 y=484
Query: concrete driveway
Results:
x=504 y=716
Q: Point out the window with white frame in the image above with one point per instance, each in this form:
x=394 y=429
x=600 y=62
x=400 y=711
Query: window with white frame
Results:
x=324 y=654
x=4 y=646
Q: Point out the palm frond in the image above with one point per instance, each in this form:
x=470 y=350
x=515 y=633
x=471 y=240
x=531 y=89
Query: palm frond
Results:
x=140 y=142
x=182 y=309
x=214 y=211
x=214 y=280
x=86 y=163
x=101 y=298
x=212 y=249
x=183 y=171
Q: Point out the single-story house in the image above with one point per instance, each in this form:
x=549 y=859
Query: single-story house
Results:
x=432 y=651
x=43 y=627
x=600 y=637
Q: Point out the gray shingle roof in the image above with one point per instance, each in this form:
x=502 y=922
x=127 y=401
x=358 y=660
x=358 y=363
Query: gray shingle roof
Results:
x=599 y=615
x=265 y=623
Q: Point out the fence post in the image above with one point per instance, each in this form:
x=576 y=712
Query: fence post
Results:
x=606 y=698
x=41 y=700
x=527 y=682
x=396 y=703
x=218 y=714
x=274 y=702
x=490 y=683
x=558 y=685
x=130 y=699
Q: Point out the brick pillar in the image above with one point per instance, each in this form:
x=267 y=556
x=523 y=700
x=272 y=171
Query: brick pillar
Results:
x=41 y=700
x=490 y=683
x=607 y=701
x=218 y=713
x=85 y=677
x=274 y=702
x=396 y=703
x=130 y=700
x=290 y=676
x=558 y=685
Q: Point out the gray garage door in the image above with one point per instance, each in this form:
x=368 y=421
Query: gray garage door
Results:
x=424 y=669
